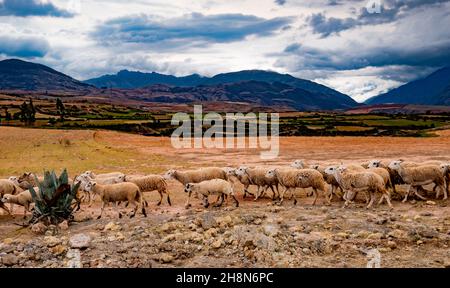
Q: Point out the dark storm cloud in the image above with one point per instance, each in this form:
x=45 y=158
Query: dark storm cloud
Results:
x=391 y=10
x=23 y=46
x=280 y=2
x=24 y=8
x=188 y=30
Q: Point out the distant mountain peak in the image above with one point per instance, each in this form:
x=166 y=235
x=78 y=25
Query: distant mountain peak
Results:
x=17 y=74
x=431 y=90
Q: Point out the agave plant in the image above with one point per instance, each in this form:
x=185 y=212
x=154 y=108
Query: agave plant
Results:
x=54 y=200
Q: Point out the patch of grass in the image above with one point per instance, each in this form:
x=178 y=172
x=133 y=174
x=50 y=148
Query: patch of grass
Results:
x=40 y=149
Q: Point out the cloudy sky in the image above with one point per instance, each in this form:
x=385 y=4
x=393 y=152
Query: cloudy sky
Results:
x=358 y=47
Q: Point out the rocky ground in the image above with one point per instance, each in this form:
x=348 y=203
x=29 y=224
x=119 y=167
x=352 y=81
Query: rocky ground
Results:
x=415 y=234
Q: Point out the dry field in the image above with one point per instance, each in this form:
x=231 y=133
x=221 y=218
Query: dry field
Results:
x=257 y=234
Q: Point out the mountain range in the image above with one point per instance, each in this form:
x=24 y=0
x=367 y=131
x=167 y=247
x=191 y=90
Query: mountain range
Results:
x=261 y=88
x=431 y=90
x=253 y=87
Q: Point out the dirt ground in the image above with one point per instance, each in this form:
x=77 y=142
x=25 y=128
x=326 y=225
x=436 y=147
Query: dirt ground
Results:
x=257 y=234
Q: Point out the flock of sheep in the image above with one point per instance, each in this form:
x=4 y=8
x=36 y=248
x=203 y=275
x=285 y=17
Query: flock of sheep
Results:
x=344 y=181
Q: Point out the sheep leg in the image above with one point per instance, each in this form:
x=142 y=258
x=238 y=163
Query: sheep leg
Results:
x=257 y=193
x=278 y=192
x=136 y=206
x=116 y=207
x=160 y=198
x=205 y=202
x=330 y=195
x=219 y=203
x=372 y=199
x=282 y=194
x=245 y=191
x=187 y=205
x=388 y=200
x=407 y=194
x=316 y=195
x=11 y=207
x=416 y=192
x=101 y=212
x=168 y=200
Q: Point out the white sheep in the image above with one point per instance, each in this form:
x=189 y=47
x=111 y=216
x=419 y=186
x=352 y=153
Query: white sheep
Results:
x=298 y=164
x=23 y=199
x=8 y=187
x=92 y=175
x=298 y=178
x=445 y=169
x=354 y=182
x=257 y=176
x=120 y=192
x=196 y=176
x=84 y=179
x=330 y=180
x=212 y=187
x=419 y=176
x=151 y=183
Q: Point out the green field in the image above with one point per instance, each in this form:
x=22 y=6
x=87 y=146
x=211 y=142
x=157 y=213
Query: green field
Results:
x=128 y=119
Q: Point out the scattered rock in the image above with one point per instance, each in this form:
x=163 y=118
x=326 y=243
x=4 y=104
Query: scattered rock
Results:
x=80 y=241
x=381 y=221
x=217 y=244
x=64 y=225
x=51 y=241
x=207 y=221
x=225 y=221
x=392 y=244
x=375 y=236
x=427 y=232
x=111 y=226
x=363 y=234
x=431 y=202
x=39 y=228
x=74 y=257
x=10 y=260
x=271 y=230
x=398 y=234
x=58 y=250
x=8 y=241
x=165 y=258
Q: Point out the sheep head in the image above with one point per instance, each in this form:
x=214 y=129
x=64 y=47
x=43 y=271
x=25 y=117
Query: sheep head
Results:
x=298 y=164
x=241 y=171
x=90 y=186
x=374 y=164
x=6 y=198
x=395 y=165
x=170 y=174
x=229 y=171
x=315 y=166
x=271 y=173
x=331 y=170
x=188 y=188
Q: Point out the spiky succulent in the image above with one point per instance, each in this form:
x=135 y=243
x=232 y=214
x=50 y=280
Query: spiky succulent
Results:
x=54 y=200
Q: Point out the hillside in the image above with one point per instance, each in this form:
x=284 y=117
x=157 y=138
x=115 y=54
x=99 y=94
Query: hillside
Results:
x=20 y=75
x=255 y=88
x=432 y=90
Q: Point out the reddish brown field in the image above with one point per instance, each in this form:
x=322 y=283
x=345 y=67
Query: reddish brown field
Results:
x=257 y=234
